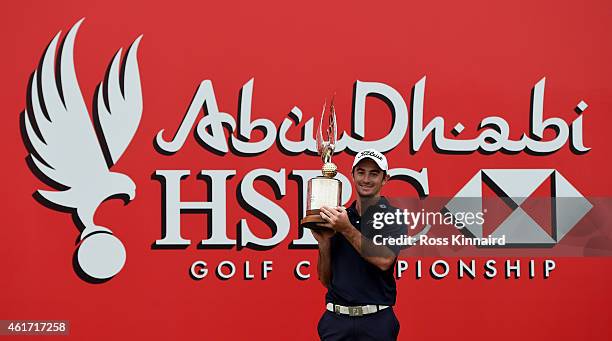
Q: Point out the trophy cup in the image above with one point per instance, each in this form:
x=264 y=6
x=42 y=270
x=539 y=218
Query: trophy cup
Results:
x=323 y=190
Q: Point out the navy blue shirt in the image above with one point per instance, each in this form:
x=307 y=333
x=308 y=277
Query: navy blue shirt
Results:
x=355 y=281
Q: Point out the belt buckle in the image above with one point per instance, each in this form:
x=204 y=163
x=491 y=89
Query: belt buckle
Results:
x=355 y=311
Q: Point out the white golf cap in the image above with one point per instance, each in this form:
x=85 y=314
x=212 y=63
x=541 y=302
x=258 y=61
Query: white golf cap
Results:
x=375 y=156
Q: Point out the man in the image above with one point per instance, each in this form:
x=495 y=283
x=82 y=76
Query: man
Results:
x=357 y=273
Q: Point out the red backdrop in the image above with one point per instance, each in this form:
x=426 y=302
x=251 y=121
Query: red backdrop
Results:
x=480 y=59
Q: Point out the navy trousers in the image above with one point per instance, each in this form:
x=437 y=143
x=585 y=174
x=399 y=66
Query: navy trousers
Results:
x=379 y=326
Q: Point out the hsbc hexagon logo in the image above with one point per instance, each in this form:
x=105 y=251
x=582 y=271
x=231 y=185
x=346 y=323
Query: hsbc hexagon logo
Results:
x=515 y=187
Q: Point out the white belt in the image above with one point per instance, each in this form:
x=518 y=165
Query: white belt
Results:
x=355 y=311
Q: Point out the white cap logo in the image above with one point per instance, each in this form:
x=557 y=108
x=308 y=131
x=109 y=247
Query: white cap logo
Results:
x=375 y=156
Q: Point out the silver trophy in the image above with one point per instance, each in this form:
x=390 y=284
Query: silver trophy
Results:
x=323 y=190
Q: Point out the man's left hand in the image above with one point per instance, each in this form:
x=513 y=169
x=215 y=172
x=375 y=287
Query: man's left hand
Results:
x=336 y=218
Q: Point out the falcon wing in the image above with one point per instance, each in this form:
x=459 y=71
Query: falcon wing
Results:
x=118 y=104
x=61 y=137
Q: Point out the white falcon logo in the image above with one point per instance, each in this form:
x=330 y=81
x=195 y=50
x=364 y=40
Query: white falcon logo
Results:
x=65 y=149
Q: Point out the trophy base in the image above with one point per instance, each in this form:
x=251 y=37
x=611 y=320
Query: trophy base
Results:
x=312 y=221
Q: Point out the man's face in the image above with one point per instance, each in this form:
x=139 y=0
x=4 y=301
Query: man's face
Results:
x=368 y=178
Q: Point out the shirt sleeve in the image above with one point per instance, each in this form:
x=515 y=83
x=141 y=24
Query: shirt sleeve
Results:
x=393 y=235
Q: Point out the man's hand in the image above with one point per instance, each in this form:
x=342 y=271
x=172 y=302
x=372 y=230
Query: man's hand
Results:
x=336 y=218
